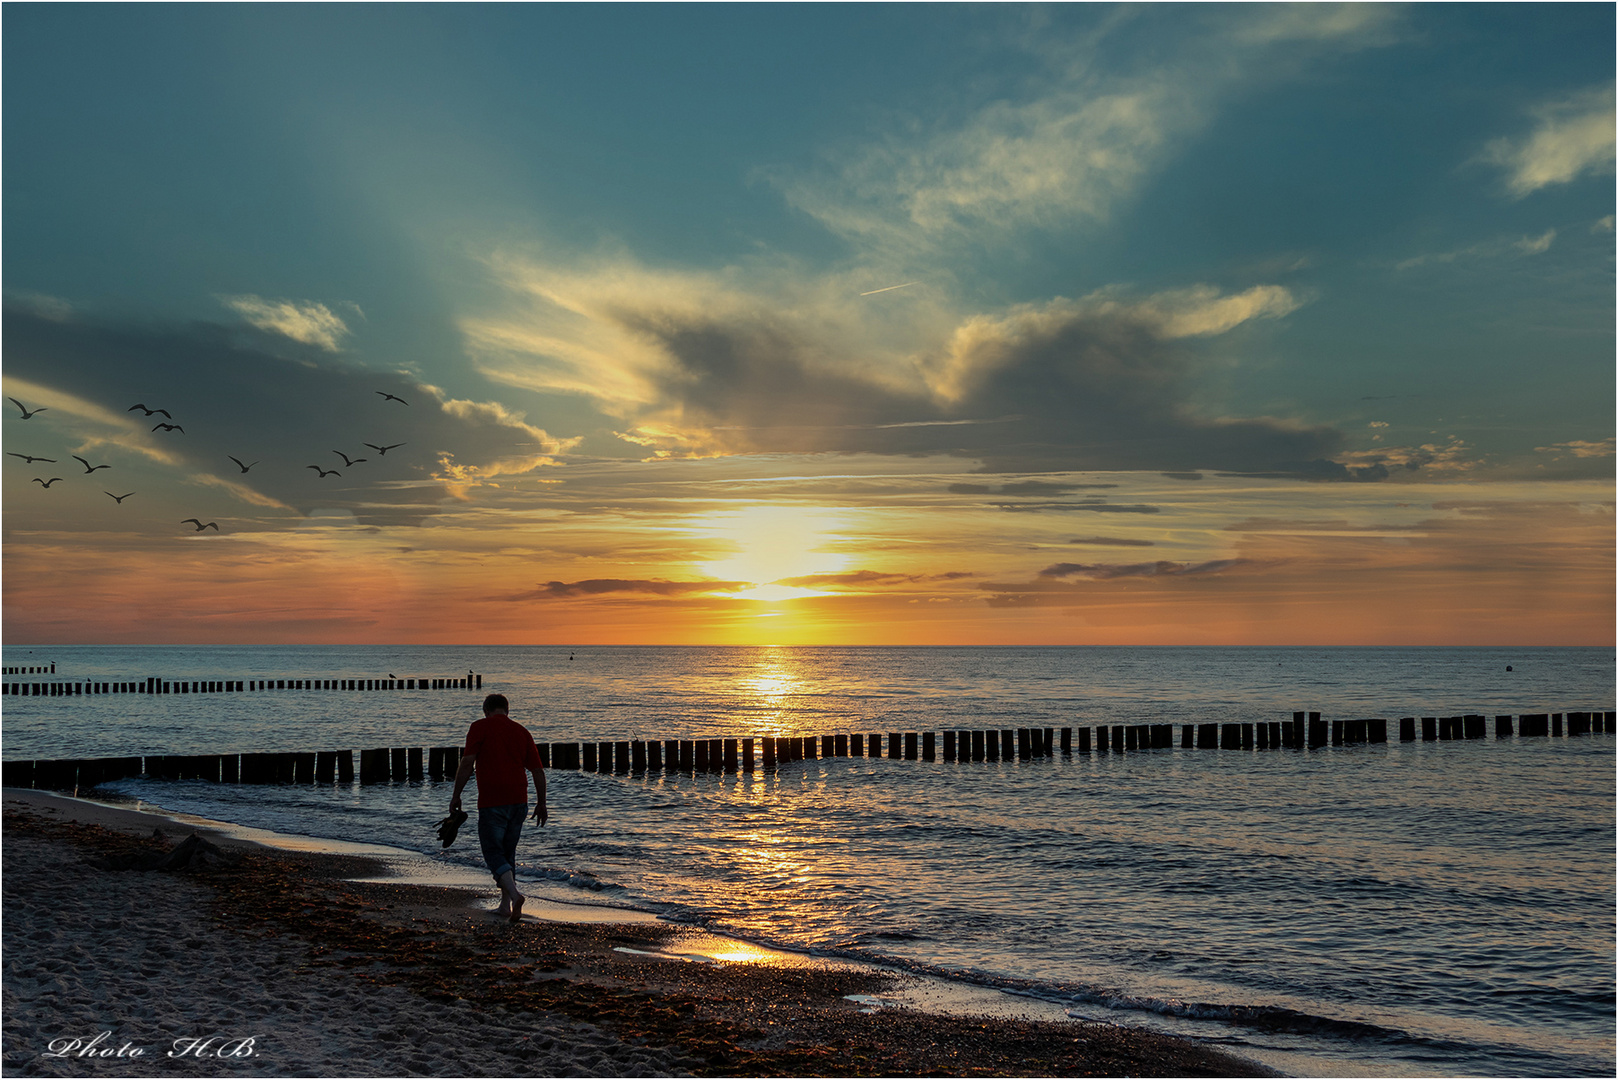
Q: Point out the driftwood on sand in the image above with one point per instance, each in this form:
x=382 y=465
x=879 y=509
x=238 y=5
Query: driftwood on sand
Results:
x=192 y=853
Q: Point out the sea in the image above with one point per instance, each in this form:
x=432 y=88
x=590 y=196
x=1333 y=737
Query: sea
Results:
x=1391 y=909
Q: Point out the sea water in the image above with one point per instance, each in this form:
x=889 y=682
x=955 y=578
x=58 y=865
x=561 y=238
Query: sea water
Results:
x=1402 y=908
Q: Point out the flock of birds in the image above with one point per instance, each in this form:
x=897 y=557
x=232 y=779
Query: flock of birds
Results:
x=166 y=426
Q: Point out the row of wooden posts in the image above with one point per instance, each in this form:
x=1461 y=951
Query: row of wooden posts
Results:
x=403 y=764
x=470 y=681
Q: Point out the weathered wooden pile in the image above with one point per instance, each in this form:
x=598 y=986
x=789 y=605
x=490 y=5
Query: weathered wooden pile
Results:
x=1305 y=731
x=152 y=685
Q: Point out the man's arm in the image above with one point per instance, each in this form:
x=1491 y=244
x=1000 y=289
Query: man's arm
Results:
x=462 y=775
x=540 y=813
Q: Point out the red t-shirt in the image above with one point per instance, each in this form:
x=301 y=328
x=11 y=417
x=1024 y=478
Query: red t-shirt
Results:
x=505 y=751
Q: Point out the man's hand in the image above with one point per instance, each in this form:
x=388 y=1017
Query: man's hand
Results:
x=539 y=814
x=455 y=803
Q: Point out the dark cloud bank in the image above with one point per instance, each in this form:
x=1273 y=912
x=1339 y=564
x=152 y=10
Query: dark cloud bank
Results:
x=1084 y=390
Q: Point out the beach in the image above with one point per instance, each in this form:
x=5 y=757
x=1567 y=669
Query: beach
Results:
x=283 y=965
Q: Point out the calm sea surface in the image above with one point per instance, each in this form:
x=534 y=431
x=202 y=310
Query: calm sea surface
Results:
x=1416 y=909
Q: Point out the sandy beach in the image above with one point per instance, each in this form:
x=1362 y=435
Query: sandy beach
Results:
x=281 y=965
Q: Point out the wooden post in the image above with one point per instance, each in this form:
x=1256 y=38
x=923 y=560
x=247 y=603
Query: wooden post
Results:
x=716 y=751
x=1084 y=740
x=637 y=755
x=435 y=763
x=1337 y=733
x=769 y=753
x=928 y=749
x=1024 y=747
x=303 y=768
x=1474 y=725
x=1131 y=738
x=840 y=745
x=1317 y=731
x=620 y=757
x=911 y=747
x=326 y=766
x=229 y=768
x=1067 y=741
x=671 y=755
x=1377 y=729
x=856 y=744
x=345 y=766
x=688 y=755
x=399 y=768
x=991 y=746
x=1207 y=736
x=810 y=747
x=747 y=755
x=979 y=750
x=589 y=757
x=413 y=763
x=1556 y=725
x=731 y=761
x=828 y=746
x=1407 y=729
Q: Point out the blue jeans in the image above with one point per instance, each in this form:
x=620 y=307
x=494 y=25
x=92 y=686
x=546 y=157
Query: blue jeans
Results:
x=499 y=828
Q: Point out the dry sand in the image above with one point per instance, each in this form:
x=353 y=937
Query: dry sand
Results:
x=329 y=977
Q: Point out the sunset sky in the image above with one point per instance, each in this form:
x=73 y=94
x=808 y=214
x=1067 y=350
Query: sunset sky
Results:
x=814 y=324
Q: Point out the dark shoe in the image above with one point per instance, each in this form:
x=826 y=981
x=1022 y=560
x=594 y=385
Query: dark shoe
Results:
x=450 y=826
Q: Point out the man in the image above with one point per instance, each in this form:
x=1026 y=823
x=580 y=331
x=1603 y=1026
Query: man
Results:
x=499 y=749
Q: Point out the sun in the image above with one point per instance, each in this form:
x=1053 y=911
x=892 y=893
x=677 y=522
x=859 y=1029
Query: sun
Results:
x=771 y=543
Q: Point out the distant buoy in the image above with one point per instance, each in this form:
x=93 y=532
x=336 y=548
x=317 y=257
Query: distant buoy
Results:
x=1508 y=667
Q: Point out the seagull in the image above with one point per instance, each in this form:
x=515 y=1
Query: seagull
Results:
x=347 y=461
x=26 y=414
x=46 y=483
x=171 y=427
x=119 y=499
x=384 y=393
x=88 y=468
x=147 y=411
x=239 y=464
x=193 y=521
x=382 y=449
x=323 y=472
x=31 y=460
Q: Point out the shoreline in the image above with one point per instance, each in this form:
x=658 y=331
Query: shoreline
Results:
x=318 y=953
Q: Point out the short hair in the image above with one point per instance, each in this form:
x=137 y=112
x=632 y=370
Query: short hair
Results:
x=496 y=703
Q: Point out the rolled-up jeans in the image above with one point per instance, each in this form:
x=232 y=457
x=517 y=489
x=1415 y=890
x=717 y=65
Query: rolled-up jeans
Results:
x=499 y=828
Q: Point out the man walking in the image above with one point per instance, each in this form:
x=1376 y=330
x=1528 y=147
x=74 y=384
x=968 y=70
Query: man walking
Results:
x=500 y=749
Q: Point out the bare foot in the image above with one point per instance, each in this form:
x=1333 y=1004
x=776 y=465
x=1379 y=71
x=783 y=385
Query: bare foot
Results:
x=516 y=907
x=505 y=907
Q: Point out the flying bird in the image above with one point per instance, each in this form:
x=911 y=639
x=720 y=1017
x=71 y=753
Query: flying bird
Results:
x=46 y=483
x=389 y=396
x=347 y=461
x=171 y=427
x=239 y=464
x=147 y=411
x=31 y=460
x=382 y=449
x=119 y=499
x=88 y=468
x=25 y=413
x=323 y=472
x=193 y=521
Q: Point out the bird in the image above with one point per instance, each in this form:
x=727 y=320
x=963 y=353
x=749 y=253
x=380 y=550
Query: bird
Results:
x=347 y=461
x=25 y=413
x=200 y=526
x=31 y=460
x=46 y=483
x=382 y=449
x=119 y=499
x=384 y=393
x=171 y=427
x=323 y=472
x=239 y=464
x=88 y=468
x=147 y=411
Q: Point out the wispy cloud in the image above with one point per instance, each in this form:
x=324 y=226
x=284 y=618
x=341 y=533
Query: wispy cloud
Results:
x=557 y=590
x=301 y=320
x=1488 y=249
x=1581 y=448
x=1572 y=136
x=1111 y=541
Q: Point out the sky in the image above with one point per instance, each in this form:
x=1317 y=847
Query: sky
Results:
x=808 y=324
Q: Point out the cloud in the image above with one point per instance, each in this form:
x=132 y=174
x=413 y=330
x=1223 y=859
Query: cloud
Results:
x=1095 y=508
x=1581 y=448
x=1161 y=568
x=1026 y=487
x=556 y=590
x=866 y=579
x=1488 y=249
x=305 y=321
x=1111 y=541
x=234 y=397
x=768 y=358
x=1571 y=137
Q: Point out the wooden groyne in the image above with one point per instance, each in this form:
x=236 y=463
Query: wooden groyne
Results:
x=1304 y=732
x=154 y=685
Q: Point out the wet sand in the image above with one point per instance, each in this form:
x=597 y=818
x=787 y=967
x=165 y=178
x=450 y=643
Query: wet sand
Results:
x=331 y=976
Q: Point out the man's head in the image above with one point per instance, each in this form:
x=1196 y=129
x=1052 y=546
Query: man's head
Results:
x=496 y=703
